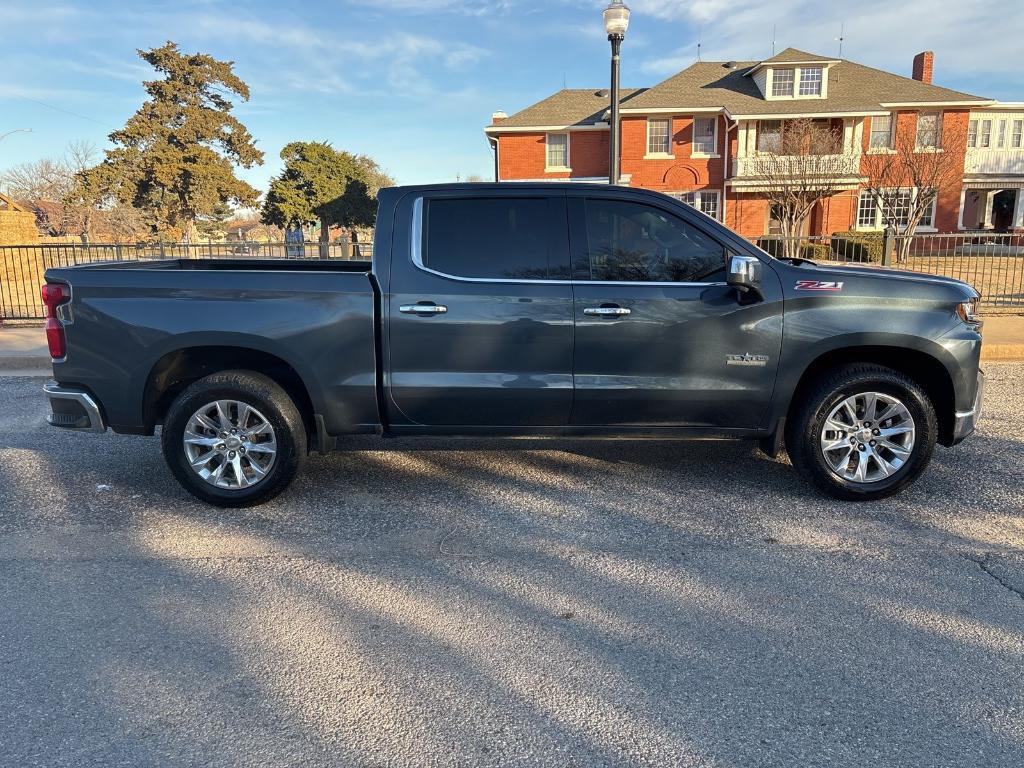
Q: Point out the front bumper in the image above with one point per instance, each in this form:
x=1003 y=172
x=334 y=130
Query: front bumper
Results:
x=72 y=408
x=966 y=421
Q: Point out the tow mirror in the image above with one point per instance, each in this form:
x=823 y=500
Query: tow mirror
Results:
x=744 y=274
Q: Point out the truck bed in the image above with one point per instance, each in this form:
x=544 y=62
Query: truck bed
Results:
x=130 y=323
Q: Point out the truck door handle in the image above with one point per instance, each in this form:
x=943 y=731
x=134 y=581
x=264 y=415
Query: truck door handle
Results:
x=423 y=309
x=607 y=311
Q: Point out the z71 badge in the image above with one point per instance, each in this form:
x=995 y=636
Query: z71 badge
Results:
x=818 y=285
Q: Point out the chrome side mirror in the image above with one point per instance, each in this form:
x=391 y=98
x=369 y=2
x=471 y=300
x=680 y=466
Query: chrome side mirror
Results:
x=744 y=274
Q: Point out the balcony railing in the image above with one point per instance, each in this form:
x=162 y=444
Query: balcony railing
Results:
x=752 y=166
x=996 y=161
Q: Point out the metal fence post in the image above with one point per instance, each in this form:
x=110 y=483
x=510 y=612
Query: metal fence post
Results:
x=888 y=243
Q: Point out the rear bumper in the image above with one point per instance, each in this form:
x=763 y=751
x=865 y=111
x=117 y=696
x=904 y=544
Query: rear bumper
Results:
x=72 y=408
x=966 y=421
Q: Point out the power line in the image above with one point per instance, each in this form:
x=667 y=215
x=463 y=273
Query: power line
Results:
x=67 y=112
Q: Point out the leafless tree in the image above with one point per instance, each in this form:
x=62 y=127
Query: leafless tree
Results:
x=802 y=167
x=51 y=188
x=44 y=179
x=905 y=182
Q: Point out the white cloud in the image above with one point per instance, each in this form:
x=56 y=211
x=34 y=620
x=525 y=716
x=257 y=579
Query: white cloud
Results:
x=967 y=38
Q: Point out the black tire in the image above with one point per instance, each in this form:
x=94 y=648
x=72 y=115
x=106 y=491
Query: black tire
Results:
x=804 y=429
x=259 y=392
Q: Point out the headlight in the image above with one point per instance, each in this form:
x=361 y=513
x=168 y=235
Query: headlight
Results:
x=968 y=311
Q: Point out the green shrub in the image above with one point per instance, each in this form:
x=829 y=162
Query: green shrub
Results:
x=807 y=250
x=816 y=251
x=857 y=246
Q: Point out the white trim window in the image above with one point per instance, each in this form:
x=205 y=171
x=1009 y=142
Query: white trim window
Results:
x=782 y=82
x=986 y=134
x=1017 y=137
x=659 y=136
x=972 y=133
x=557 y=152
x=704 y=200
x=810 y=81
x=1001 y=141
x=895 y=204
x=705 y=135
x=881 y=132
x=867 y=211
x=929 y=130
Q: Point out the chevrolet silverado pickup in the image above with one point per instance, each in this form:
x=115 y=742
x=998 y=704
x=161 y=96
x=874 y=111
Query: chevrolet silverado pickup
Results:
x=503 y=310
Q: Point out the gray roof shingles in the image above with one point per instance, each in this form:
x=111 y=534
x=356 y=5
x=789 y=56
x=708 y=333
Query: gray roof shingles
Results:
x=851 y=88
x=570 y=106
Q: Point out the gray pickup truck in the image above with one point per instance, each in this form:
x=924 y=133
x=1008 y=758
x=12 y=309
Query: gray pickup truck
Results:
x=504 y=310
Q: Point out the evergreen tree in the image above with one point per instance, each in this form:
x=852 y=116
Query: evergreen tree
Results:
x=320 y=184
x=175 y=158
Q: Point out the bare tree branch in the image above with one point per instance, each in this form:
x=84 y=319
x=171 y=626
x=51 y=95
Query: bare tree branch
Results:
x=807 y=166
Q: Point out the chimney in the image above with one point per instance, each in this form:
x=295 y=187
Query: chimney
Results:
x=499 y=116
x=923 y=66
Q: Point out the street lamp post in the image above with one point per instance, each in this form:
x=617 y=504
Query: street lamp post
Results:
x=16 y=130
x=616 y=22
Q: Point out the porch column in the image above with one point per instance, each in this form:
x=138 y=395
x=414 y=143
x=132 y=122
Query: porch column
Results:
x=963 y=199
x=990 y=195
x=1018 y=209
x=848 y=136
x=858 y=136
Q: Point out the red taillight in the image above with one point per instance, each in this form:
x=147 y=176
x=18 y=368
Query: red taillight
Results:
x=53 y=295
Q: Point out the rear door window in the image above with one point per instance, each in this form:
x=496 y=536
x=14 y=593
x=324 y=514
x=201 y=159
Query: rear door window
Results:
x=498 y=238
x=634 y=242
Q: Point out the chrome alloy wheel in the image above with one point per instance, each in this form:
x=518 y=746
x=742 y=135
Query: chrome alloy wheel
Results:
x=868 y=437
x=230 y=444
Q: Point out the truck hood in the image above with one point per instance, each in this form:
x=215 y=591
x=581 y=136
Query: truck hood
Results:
x=947 y=286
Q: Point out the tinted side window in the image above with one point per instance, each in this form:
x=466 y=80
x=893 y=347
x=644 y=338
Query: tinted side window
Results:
x=636 y=242
x=487 y=237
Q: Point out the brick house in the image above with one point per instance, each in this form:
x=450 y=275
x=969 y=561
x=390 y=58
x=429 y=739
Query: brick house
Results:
x=696 y=134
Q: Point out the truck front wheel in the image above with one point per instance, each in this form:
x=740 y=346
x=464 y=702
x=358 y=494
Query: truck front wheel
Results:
x=862 y=432
x=234 y=439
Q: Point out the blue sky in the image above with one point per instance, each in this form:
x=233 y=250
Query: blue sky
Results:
x=412 y=82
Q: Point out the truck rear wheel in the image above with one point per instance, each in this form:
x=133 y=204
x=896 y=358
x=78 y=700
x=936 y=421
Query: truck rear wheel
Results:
x=234 y=439
x=862 y=432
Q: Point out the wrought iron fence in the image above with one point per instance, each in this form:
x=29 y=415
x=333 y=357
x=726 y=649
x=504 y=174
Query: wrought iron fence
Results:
x=22 y=266
x=993 y=263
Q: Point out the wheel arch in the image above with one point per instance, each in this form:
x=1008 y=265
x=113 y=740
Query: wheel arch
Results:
x=179 y=368
x=923 y=366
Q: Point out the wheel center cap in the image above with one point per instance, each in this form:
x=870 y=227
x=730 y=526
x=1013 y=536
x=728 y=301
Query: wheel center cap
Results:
x=864 y=434
x=233 y=443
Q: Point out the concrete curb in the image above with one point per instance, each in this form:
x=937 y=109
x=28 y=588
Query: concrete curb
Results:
x=25 y=365
x=1002 y=353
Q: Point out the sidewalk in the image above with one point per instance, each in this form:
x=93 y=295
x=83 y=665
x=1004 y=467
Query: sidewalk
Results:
x=23 y=349
x=1004 y=338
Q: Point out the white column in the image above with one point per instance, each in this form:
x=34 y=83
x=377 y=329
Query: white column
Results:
x=858 y=135
x=1018 y=209
x=848 y=136
x=963 y=198
x=990 y=195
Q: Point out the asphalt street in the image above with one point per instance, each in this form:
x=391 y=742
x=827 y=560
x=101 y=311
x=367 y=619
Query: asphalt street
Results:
x=533 y=603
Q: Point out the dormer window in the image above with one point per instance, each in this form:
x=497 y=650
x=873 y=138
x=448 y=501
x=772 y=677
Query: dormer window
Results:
x=792 y=75
x=810 y=81
x=782 y=82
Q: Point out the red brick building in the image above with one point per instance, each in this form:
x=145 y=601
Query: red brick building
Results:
x=697 y=135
